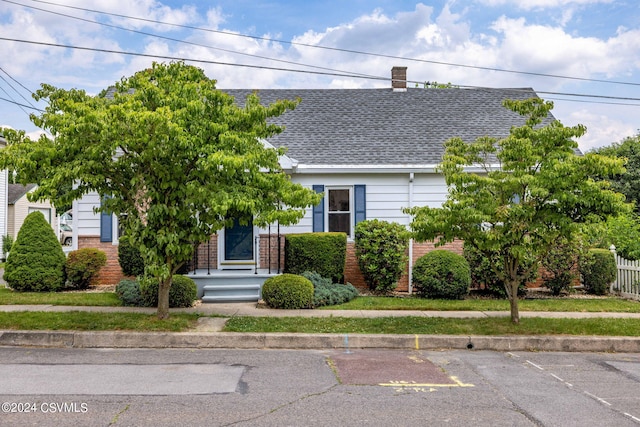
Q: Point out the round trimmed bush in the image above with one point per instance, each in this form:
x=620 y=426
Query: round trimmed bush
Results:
x=598 y=268
x=182 y=293
x=288 y=291
x=129 y=258
x=36 y=260
x=82 y=266
x=129 y=292
x=441 y=274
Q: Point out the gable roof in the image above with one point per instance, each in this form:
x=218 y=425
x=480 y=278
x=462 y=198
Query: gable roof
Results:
x=16 y=191
x=386 y=128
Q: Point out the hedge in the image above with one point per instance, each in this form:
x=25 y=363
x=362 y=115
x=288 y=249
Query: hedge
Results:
x=324 y=253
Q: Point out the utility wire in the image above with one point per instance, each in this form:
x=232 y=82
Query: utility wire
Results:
x=351 y=51
x=11 y=101
x=144 y=33
x=14 y=89
x=263 y=67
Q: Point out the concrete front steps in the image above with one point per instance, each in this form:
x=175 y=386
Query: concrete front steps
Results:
x=229 y=285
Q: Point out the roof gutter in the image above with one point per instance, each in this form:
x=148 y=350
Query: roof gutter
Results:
x=301 y=168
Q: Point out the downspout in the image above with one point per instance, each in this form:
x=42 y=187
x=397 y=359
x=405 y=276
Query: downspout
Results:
x=410 y=273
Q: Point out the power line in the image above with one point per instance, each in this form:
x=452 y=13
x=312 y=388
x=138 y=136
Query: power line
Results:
x=351 y=51
x=144 y=33
x=14 y=89
x=11 y=101
x=290 y=70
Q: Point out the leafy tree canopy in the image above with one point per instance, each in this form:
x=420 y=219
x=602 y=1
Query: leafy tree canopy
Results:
x=173 y=156
x=511 y=198
x=627 y=183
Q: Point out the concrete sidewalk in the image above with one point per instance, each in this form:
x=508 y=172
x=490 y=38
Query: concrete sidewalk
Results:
x=253 y=309
x=207 y=334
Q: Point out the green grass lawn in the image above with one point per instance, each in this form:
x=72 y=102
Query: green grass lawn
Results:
x=91 y=321
x=552 y=304
x=88 y=321
x=437 y=326
x=10 y=297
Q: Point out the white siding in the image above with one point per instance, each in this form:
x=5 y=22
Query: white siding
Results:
x=85 y=220
x=3 y=203
x=17 y=213
x=387 y=194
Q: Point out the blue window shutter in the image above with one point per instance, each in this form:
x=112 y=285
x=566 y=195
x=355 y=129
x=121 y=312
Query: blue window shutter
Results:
x=360 y=202
x=106 y=226
x=318 y=211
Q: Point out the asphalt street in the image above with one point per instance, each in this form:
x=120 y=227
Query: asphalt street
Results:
x=373 y=387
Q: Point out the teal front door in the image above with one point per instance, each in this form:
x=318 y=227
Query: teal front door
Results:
x=238 y=242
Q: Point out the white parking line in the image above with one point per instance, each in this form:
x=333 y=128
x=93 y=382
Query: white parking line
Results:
x=533 y=364
x=597 y=398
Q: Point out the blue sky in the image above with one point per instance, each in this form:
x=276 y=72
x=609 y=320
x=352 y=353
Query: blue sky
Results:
x=595 y=42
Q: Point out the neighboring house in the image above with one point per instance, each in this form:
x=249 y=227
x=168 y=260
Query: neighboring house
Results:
x=19 y=207
x=3 y=195
x=372 y=152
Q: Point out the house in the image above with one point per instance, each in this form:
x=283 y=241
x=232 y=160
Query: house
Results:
x=372 y=152
x=19 y=206
x=3 y=195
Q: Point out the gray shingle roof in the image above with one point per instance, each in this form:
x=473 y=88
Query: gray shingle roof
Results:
x=383 y=127
x=16 y=191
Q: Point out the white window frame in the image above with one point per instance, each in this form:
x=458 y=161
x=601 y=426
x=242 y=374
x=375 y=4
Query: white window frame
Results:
x=351 y=211
x=45 y=211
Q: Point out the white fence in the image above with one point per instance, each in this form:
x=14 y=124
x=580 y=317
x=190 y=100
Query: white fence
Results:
x=628 y=280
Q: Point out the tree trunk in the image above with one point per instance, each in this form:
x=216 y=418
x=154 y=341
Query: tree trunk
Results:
x=163 y=298
x=513 y=301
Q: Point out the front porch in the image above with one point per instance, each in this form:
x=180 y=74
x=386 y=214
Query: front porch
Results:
x=230 y=285
x=223 y=277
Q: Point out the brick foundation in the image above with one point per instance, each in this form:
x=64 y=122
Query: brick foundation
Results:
x=354 y=276
x=111 y=273
x=207 y=257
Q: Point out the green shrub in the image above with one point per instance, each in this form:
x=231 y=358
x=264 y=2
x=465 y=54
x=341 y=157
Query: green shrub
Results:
x=82 y=266
x=7 y=242
x=129 y=257
x=598 y=268
x=36 y=260
x=483 y=276
x=441 y=274
x=182 y=293
x=324 y=253
x=381 y=251
x=560 y=267
x=288 y=291
x=327 y=293
x=129 y=292
x=317 y=279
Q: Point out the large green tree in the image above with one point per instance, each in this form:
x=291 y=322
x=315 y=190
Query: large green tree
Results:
x=511 y=198
x=172 y=156
x=627 y=183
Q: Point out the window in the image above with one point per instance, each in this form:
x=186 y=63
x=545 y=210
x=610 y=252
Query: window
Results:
x=45 y=211
x=340 y=209
x=339 y=212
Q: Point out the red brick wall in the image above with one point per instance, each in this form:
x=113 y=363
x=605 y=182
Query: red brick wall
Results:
x=111 y=273
x=269 y=252
x=207 y=255
x=354 y=276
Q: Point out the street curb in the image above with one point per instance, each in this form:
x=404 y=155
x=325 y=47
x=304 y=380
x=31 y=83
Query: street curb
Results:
x=230 y=340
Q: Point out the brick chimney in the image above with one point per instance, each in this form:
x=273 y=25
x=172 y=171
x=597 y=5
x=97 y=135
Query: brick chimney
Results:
x=399 y=79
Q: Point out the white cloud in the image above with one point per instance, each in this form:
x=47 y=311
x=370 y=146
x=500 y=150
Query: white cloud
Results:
x=602 y=130
x=538 y=4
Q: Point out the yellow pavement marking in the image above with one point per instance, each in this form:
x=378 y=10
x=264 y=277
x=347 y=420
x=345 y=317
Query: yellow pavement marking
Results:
x=412 y=384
